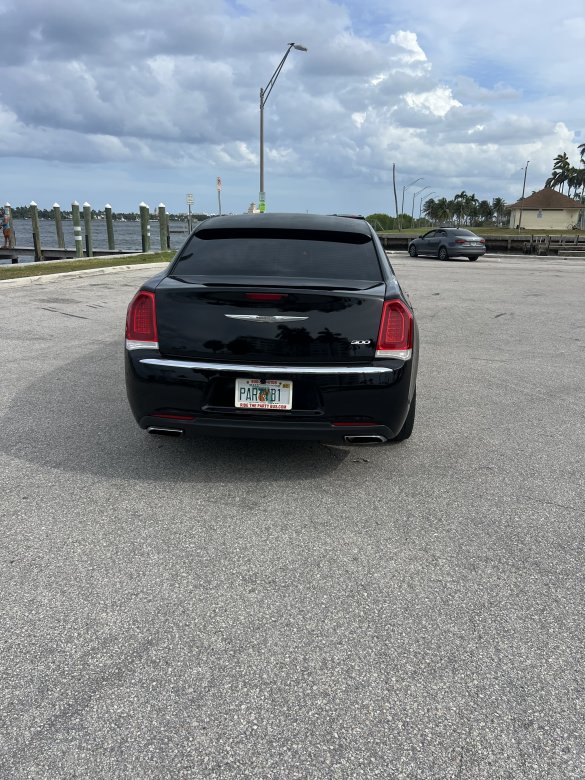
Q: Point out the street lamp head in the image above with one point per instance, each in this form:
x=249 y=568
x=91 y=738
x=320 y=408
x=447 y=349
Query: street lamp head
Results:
x=298 y=46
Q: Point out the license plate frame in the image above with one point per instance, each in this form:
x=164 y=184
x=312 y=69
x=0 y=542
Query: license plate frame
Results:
x=270 y=394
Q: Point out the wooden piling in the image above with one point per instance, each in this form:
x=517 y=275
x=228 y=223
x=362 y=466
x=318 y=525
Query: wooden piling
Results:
x=145 y=227
x=36 y=231
x=77 y=229
x=87 y=225
x=59 y=226
x=110 y=226
x=163 y=226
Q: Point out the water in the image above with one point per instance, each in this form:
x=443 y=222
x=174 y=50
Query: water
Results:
x=126 y=236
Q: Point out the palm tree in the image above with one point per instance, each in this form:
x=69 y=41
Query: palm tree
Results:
x=430 y=209
x=460 y=201
x=471 y=208
x=499 y=207
x=560 y=171
x=444 y=209
x=485 y=211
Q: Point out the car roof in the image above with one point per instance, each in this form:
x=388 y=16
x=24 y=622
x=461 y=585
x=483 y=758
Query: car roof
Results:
x=467 y=230
x=286 y=221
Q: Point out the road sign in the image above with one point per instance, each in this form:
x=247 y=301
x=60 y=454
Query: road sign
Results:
x=219 y=184
x=189 y=198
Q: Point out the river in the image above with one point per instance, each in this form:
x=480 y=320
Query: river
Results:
x=126 y=235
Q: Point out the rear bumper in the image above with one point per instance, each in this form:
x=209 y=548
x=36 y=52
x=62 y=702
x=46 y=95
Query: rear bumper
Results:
x=266 y=429
x=466 y=251
x=329 y=402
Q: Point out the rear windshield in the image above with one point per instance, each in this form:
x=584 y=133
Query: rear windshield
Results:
x=463 y=232
x=282 y=253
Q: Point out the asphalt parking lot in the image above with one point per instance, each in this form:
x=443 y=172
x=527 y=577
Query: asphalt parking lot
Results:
x=229 y=609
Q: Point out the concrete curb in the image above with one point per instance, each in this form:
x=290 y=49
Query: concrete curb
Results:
x=45 y=278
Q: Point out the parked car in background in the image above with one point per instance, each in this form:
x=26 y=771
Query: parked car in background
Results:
x=283 y=326
x=448 y=242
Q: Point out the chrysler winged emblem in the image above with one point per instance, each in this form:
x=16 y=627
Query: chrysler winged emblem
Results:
x=265 y=317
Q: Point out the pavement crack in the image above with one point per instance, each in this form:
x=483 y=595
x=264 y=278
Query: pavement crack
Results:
x=580 y=510
x=65 y=313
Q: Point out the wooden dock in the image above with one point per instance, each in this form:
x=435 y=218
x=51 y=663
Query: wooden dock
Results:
x=55 y=253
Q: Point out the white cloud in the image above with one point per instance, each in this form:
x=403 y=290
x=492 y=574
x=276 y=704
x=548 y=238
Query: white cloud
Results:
x=448 y=95
x=438 y=102
x=408 y=42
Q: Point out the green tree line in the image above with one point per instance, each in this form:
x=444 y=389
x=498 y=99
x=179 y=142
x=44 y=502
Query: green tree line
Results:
x=25 y=212
x=462 y=209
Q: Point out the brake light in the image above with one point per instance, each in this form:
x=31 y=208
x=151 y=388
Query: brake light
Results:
x=266 y=296
x=396 y=331
x=141 y=319
x=460 y=241
x=482 y=240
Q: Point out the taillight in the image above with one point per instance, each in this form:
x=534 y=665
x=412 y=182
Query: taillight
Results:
x=460 y=241
x=482 y=241
x=266 y=296
x=396 y=331
x=141 y=319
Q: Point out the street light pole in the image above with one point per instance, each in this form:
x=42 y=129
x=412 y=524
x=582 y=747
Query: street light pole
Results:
x=415 y=195
x=522 y=198
x=264 y=94
x=408 y=186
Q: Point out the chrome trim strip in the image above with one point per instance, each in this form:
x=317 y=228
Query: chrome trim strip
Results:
x=141 y=344
x=264 y=317
x=401 y=354
x=273 y=370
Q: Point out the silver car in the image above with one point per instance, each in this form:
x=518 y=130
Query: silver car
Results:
x=448 y=242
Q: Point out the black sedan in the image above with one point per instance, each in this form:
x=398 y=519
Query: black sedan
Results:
x=286 y=326
x=448 y=242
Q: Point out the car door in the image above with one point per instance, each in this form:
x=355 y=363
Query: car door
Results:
x=427 y=244
x=441 y=239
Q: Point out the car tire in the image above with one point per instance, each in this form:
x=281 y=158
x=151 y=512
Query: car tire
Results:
x=412 y=251
x=443 y=253
x=406 y=429
x=472 y=259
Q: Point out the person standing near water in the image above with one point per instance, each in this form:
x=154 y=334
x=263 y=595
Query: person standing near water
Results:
x=5 y=222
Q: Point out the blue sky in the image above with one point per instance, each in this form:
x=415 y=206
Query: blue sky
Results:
x=147 y=101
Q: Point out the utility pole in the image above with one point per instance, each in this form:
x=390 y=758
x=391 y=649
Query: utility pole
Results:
x=522 y=198
x=395 y=196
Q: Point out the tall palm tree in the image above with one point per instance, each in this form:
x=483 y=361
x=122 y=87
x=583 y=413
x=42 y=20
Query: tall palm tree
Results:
x=485 y=211
x=460 y=201
x=443 y=210
x=471 y=208
x=430 y=209
x=561 y=168
x=499 y=207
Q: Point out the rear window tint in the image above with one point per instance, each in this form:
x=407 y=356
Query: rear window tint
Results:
x=462 y=232
x=281 y=253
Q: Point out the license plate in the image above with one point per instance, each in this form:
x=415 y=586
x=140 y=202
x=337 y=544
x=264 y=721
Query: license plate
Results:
x=272 y=394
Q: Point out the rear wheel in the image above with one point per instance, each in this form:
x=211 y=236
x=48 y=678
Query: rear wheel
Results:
x=412 y=251
x=472 y=259
x=443 y=254
x=406 y=429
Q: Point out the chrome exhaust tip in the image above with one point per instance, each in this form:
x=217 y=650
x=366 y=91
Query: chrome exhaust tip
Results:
x=155 y=429
x=371 y=438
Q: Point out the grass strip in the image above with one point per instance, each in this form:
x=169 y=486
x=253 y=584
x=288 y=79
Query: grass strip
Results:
x=20 y=270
